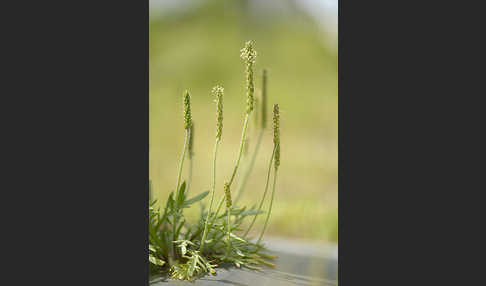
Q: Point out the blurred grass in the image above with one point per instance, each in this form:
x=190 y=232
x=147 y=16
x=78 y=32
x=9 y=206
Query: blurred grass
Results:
x=198 y=48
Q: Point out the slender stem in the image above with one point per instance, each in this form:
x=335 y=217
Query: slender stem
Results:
x=229 y=231
x=181 y=164
x=264 y=194
x=250 y=168
x=176 y=210
x=220 y=204
x=213 y=189
x=242 y=145
x=270 y=208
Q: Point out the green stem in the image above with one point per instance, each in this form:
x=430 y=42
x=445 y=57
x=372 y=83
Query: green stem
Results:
x=213 y=189
x=229 y=232
x=264 y=194
x=179 y=175
x=270 y=208
x=220 y=204
x=176 y=209
x=250 y=168
x=242 y=145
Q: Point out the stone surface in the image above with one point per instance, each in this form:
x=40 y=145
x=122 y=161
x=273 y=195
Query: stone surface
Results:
x=298 y=263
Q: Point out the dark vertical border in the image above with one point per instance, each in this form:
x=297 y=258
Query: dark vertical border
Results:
x=391 y=202
x=361 y=122
x=340 y=145
x=364 y=167
x=76 y=149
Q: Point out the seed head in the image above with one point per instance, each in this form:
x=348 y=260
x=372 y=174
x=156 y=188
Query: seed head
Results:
x=187 y=110
x=248 y=54
x=276 y=134
x=227 y=194
x=218 y=92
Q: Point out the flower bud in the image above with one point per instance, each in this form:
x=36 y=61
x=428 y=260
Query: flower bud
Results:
x=187 y=110
x=218 y=92
x=227 y=194
x=248 y=54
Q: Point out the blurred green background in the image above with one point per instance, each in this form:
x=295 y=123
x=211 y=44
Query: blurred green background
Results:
x=195 y=45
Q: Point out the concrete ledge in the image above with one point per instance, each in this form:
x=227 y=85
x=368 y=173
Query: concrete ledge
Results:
x=298 y=263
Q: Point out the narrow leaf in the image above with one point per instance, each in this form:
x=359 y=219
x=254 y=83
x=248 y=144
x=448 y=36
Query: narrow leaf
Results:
x=181 y=197
x=156 y=261
x=195 y=199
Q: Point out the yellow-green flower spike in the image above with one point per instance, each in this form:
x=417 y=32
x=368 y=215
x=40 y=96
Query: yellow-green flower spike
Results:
x=248 y=54
x=276 y=134
x=187 y=110
x=227 y=194
x=218 y=92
